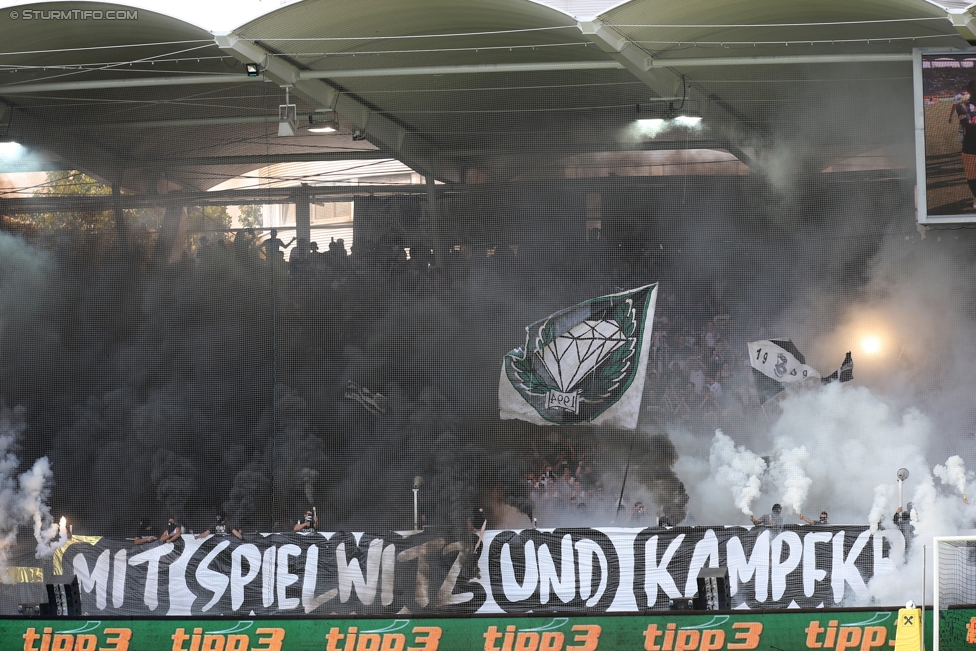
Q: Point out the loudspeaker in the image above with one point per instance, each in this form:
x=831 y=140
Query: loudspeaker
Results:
x=713 y=589
x=64 y=599
x=34 y=610
x=681 y=604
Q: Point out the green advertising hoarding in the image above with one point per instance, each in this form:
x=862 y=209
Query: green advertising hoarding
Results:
x=861 y=630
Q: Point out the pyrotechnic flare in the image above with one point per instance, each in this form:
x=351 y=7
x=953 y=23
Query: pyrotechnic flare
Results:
x=738 y=469
x=309 y=476
x=23 y=499
x=789 y=469
x=35 y=490
x=882 y=493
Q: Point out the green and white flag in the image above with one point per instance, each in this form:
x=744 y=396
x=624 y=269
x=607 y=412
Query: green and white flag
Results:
x=584 y=364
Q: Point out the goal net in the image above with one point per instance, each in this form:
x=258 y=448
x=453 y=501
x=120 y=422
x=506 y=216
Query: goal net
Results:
x=954 y=589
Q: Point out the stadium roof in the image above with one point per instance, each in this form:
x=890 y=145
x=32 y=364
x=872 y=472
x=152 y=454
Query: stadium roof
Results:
x=498 y=89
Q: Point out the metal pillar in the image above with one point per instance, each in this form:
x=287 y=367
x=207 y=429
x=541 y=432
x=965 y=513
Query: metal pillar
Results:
x=172 y=235
x=120 y=225
x=435 y=227
x=303 y=213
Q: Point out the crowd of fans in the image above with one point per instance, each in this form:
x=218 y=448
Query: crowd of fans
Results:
x=698 y=374
x=563 y=484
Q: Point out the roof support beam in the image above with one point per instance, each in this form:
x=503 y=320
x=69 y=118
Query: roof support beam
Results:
x=663 y=84
x=69 y=203
x=964 y=24
x=630 y=56
x=781 y=60
x=182 y=80
x=460 y=70
x=19 y=167
x=384 y=132
x=271 y=159
x=102 y=202
x=187 y=80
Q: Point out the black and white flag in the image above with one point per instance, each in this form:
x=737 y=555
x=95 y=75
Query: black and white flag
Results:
x=375 y=403
x=777 y=364
x=844 y=374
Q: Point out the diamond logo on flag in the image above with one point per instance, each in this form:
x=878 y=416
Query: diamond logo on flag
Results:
x=583 y=364
x=572 y=356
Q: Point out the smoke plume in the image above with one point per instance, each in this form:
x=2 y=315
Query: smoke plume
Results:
x=954 y=474
x=738 y=469
x=23 y=499
x=788 y=469
x=882 y=494
x=217 y=383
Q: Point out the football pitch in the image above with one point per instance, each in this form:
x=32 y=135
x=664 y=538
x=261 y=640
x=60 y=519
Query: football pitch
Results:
x=945 y=184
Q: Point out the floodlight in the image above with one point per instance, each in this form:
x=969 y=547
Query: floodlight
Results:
x=327 y=126
x=252 y=69
x=652 y=112
x=668 y=110
x=10 y=149
x=653 y=123
x=687 y=116
x=688 y=120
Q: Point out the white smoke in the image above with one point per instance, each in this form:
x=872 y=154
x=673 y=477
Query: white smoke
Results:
x=854 y=442
x=829 y=449
x=953 y=473
x=882 y=495
x=737 y=469
x=35 y=490
x=933 y=514
x=308 y=477
x=23 y=501
x=788 y=471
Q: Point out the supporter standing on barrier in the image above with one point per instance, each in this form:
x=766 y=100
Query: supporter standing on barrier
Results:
x=273 y=246
x=309 y=522
x=220 y=528
x=774 y=519
x=903 y=519
x=172 y=531
x=147 y=532
x=638 y=515
x=822 y=521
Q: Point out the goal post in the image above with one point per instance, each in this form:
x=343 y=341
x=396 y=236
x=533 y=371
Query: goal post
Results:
x=954 y=587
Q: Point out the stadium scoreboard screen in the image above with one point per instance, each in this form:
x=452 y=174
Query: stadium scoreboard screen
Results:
x=945 y=134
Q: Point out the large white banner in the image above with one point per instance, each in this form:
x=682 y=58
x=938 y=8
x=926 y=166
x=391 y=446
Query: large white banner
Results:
x=561 y=570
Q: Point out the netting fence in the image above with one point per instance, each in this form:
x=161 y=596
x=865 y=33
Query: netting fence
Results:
x=202 y=317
